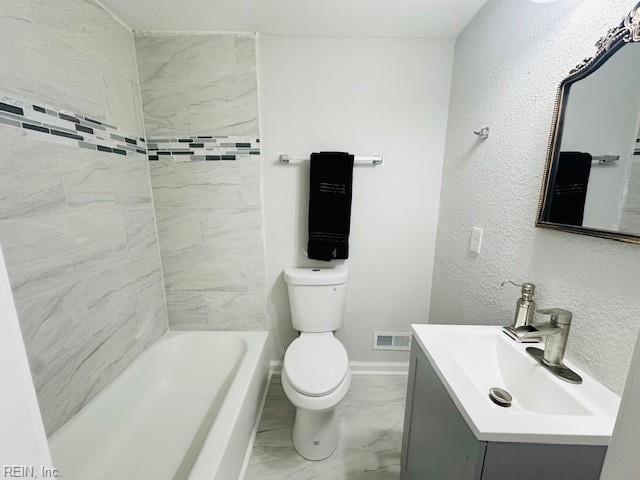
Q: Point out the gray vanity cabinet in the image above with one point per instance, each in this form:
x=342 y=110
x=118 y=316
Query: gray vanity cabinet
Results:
x=437 y=443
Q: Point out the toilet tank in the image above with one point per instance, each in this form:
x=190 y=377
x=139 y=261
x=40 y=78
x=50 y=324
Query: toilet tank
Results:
x=317 y=298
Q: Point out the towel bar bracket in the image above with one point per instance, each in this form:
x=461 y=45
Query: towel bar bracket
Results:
x=483 y=133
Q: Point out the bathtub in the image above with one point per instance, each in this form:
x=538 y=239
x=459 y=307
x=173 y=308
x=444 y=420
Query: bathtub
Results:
x=184 y=409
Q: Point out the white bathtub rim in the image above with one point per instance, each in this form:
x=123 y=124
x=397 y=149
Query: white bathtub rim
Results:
x=254 y=432
x=168 y=336
x=208 y=462
x=255 y=345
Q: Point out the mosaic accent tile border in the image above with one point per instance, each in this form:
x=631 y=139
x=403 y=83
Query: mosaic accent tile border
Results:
x=74 y=129
x=86 y=132
x=202 y=148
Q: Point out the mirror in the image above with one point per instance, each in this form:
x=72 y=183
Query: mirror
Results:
x=592 y=177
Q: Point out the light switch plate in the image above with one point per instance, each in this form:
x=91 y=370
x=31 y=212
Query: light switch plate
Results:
x=475 y=242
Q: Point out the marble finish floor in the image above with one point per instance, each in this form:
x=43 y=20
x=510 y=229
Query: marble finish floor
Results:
x=371 y=417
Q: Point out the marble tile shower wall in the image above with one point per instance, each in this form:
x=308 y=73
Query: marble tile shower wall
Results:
x=71 y=55
x=209 y=213
x=76 y=224
x=198 y=85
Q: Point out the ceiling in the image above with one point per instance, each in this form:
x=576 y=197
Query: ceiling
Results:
x=341 y=18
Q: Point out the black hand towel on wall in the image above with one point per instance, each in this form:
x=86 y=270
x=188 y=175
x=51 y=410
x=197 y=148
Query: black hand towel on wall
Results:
x=330 y=184
x=569 y=192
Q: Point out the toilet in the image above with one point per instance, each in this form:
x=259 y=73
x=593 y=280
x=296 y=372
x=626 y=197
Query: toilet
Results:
x=316 y=374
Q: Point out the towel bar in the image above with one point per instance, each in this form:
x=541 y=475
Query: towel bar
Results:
x=374 y=160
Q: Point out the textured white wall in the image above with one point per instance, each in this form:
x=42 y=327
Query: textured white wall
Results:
x=387 y=96
x=508 y=64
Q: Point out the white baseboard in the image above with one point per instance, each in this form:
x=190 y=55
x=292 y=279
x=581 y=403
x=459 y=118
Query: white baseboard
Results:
x=360 y=368
x=379 y=368
x=252 y=439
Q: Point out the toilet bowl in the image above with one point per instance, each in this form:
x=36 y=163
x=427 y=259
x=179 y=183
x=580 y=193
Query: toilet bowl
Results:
x=315 y=378
x=315 y=373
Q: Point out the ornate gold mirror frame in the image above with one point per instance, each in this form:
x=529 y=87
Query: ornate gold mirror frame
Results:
x=628 y=31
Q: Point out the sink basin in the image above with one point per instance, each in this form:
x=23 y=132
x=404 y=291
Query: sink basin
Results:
x=470 y=360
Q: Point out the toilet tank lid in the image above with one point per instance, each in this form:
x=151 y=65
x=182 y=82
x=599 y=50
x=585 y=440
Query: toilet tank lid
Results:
x=316 y=276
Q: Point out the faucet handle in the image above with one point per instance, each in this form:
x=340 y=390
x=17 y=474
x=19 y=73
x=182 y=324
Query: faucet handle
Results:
x=559 y=316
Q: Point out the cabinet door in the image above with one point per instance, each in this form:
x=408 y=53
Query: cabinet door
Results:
x=437 y=443
x=529 y=461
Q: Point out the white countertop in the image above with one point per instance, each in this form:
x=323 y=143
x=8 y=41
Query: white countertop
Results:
x=471 y=359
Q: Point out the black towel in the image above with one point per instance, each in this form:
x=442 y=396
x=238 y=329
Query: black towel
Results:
x=569 y=188
x=330 y=183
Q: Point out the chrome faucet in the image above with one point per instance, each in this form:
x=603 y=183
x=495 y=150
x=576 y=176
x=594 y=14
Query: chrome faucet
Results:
x=555 y=334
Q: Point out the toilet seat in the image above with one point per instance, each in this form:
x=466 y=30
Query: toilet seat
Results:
x=316 y=364
x=318 y=404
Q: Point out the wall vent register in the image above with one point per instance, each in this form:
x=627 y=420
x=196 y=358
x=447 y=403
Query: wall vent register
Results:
x=391 y=340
